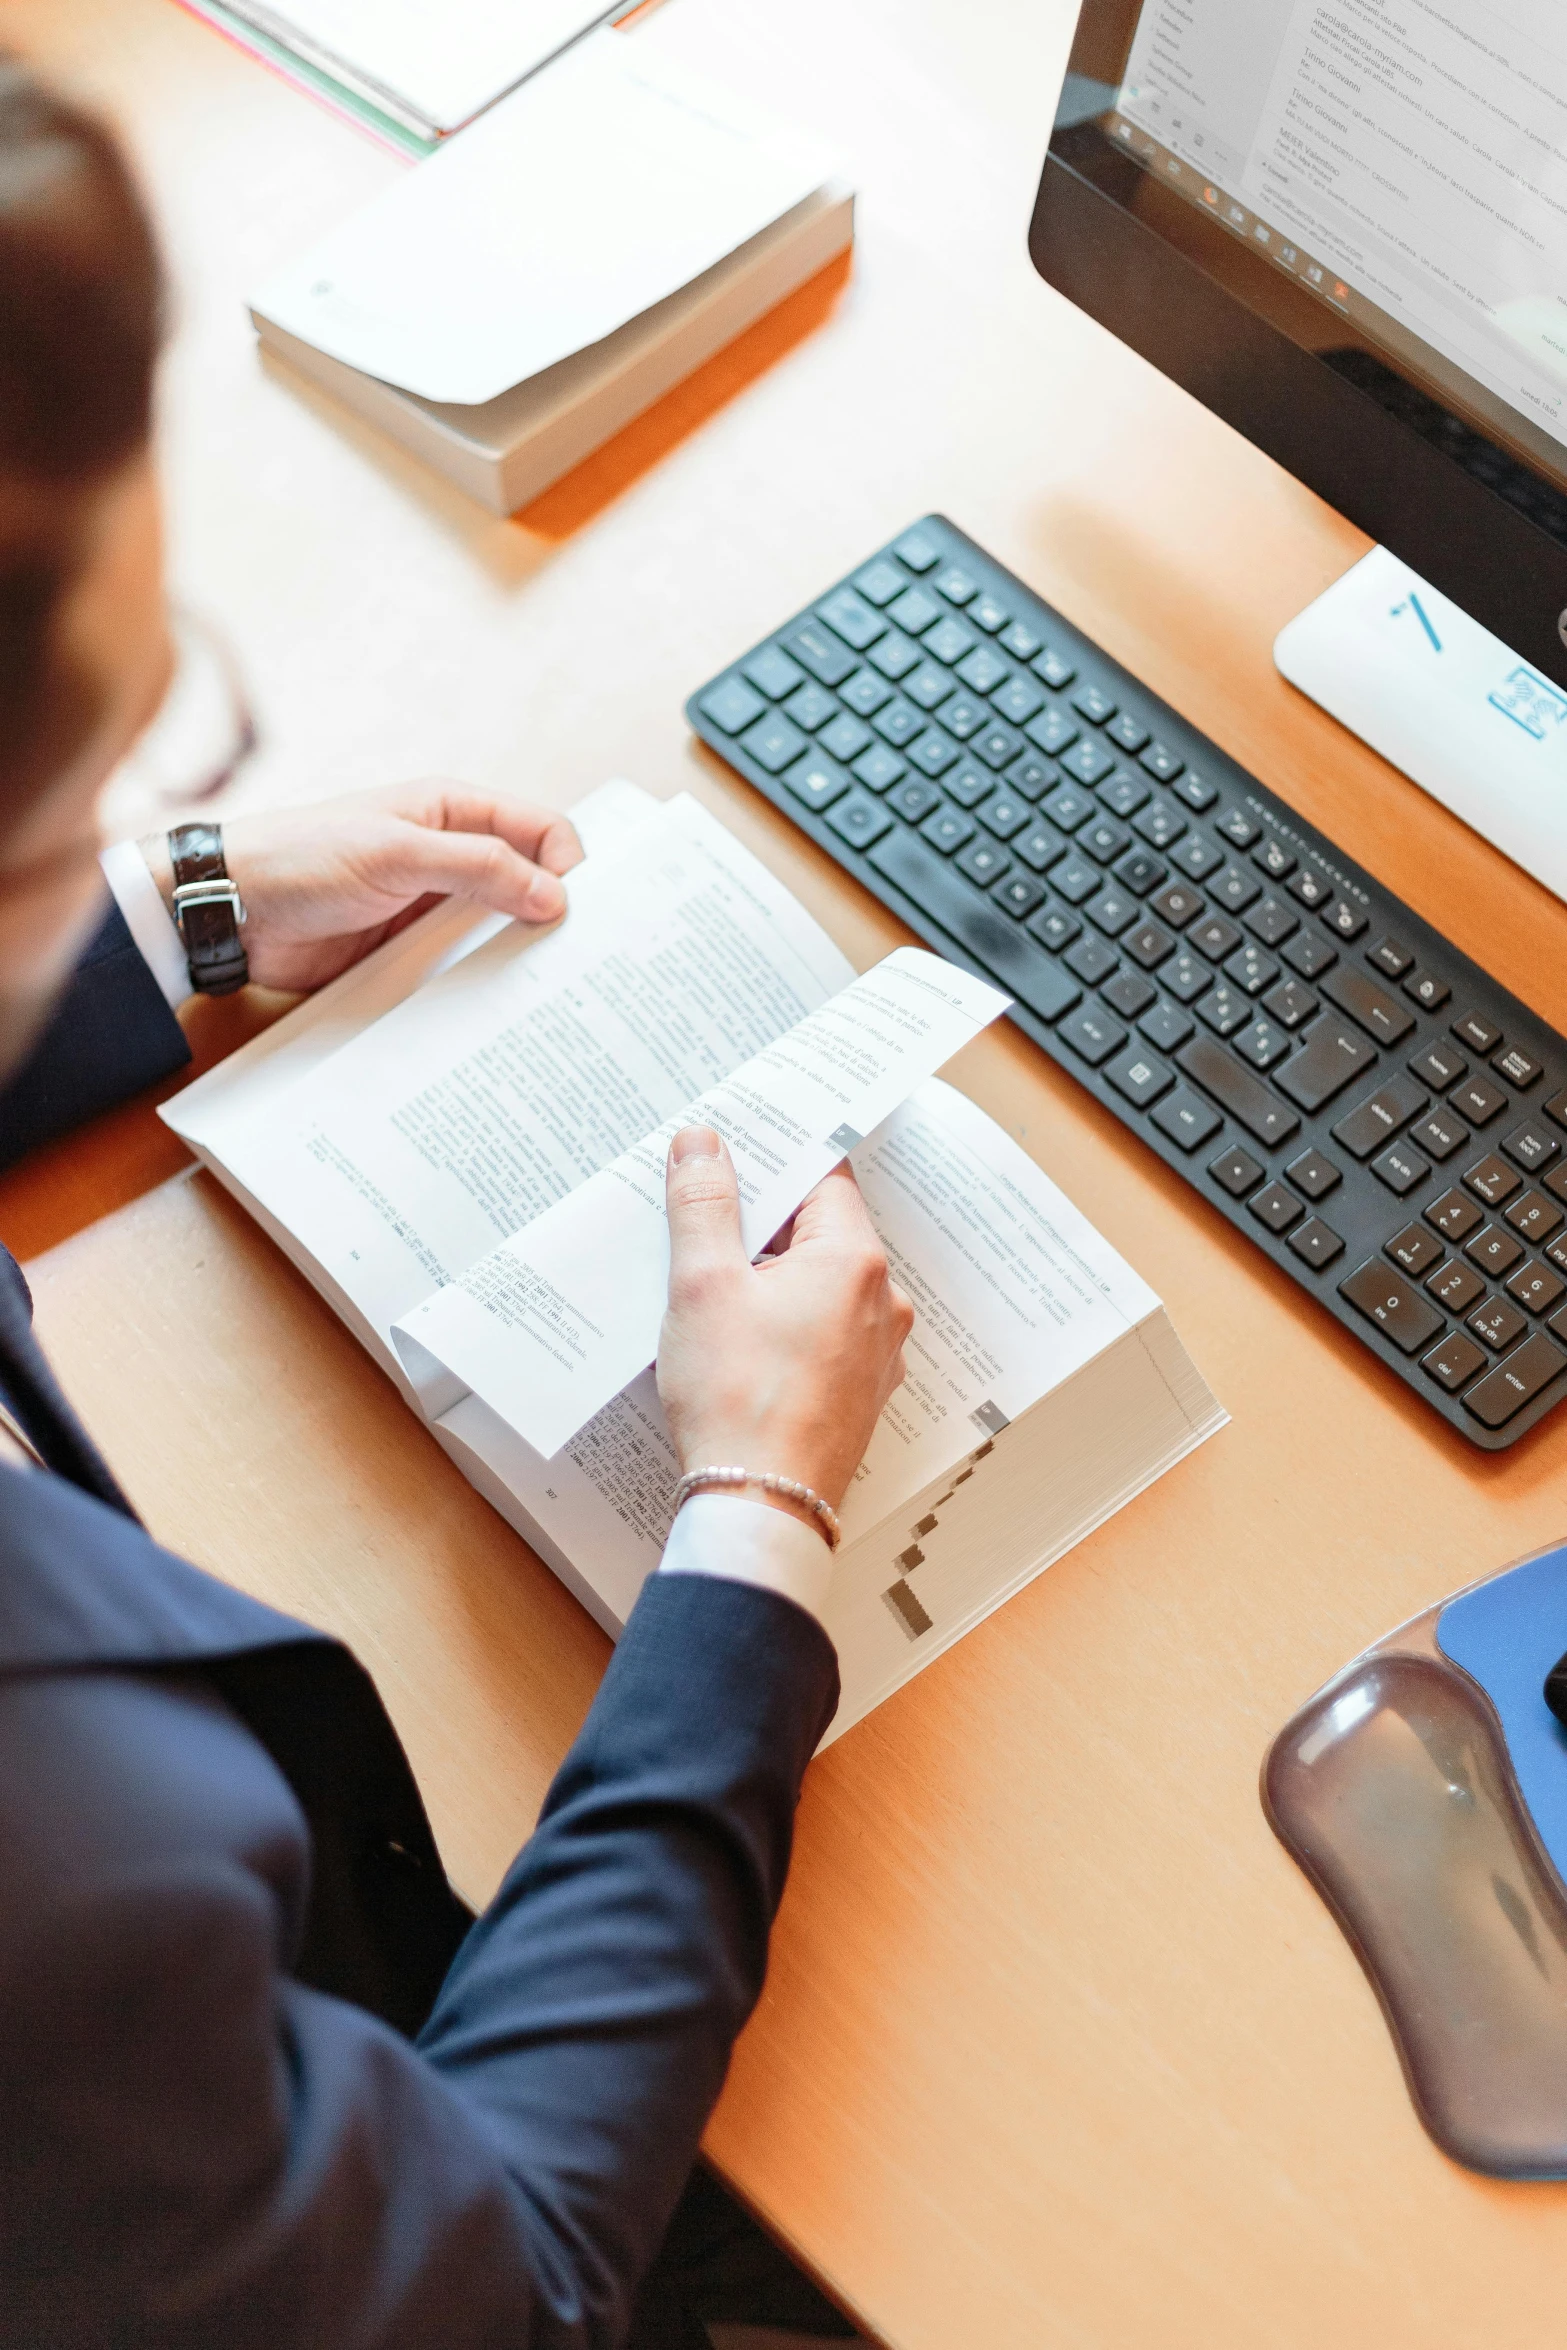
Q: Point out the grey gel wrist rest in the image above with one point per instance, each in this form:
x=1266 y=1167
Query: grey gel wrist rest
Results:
x=1424 y=1793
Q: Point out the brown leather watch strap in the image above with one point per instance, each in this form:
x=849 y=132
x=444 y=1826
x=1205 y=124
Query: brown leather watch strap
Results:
x=208 y=909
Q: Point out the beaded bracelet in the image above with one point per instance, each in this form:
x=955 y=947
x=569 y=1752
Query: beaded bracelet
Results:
x=790 y=1487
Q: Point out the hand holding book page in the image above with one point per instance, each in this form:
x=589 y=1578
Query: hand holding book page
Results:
x=550 y=1327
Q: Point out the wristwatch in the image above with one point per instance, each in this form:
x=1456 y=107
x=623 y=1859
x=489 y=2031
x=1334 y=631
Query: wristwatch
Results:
x=208 y=909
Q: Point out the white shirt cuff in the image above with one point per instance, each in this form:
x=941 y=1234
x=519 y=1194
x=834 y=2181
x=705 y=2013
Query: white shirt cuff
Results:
x=747 y=1542
x=148 y=920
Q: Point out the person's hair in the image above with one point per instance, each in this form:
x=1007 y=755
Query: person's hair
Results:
x=81 y=306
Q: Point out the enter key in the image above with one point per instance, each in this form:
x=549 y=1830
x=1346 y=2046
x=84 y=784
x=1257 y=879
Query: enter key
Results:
x=1329 y=1058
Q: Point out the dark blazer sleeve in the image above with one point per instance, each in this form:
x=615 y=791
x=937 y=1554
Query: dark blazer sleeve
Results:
x=199 y=2151
x=111 y=1033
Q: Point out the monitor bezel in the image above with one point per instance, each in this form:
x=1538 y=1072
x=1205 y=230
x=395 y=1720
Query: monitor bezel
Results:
x=1195 y=311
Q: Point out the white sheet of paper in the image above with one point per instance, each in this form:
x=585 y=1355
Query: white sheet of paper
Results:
x=592 y=192
x=444 y=58
x=548 y=1328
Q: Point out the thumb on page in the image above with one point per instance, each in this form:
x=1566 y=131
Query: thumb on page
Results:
x=703 y=1199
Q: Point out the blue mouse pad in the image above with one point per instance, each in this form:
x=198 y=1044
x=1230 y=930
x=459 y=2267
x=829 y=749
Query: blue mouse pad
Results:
x=1507 y=1634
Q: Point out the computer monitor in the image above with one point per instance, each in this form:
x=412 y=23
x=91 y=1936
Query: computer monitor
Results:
x=1342 y=225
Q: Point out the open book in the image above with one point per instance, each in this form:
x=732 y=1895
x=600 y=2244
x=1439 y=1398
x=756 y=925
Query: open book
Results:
x=461 y=1145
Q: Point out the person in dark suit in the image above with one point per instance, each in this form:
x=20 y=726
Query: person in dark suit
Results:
x=265 y=2084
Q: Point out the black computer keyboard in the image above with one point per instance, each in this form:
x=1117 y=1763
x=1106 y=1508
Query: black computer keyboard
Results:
x=1378 y=1116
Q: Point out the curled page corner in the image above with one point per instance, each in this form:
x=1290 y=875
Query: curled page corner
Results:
x=437 y=1388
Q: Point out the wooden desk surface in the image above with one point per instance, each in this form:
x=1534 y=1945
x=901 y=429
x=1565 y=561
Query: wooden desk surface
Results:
x=1057 y=2048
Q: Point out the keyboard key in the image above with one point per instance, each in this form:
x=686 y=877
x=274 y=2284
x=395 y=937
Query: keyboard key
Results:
x=1052 y=730
x=1536 y=1287
x=915 y=611
x=1429 y=992
x=1018 y=640
x=1194 y=789
x=1175 y=904
x=1534 y=1216
x=773 y=743
x=1162 y=762
x=1165 y=1026
x=1400 y=1168
x=1309 y=954
x=845 y=738
x=1214 y=937
x=968 y=784
x=1262 y=1044
x=1310 y=888
x=1186 y=1119
x=1038 y=847
x=1186 y=975
x=1149 y=944
x=955 y=584
x=1273 y=858
x=1103 y=839
x=1492 y=1180
x=947 y=830
x=1271 y=922
x=821 y=652
x=949 y=640
x=849 y=616
x=1391 y=958
x=859 y=819
x=816 y=781
x=1056 y=670
x=1088 y=761
x=1112 y=910
x=1094 y=704
x=1314 y=1174
x=1224 y=1008
x=1032 y=775
x=1378 y=1013
x=1234 y=888
x=772 y=671
x=1020 y=893
x=731 y=705
x=984 y=669
x=1140 y=1075
x=1374 y=1121
x=1140 y=869
x=1075 y=879
x=878 y=768
x=1246 y=1098
x=1068 y=807
x=1478 y=1100
x=928 y=687
x=1091 y=960
x=1238 y=828
x=1518 y=1067
x=1344 y=918
x=1290 y=1003
x=1250 y=968
x=1091 y=1032
x=899 y=723
x=1498 y=1324
x=1122 y=792
x=996 y=943
x=913 y=800
x=1453 y=1215
x=1556 y=1182
x=1317 y=1243
x=1415 y=1249
x=1130 y=993
x=1439 y=1066
x=1456 y=1286
x=1393 y=1303
x=1441 y=1134
x=1556 y=1108
x=1532 y=1145
x=865 y=692
x=1196 y=857
x=1480 y=1034
x=983 y=861
x=1003 y=815
x=1127 y=733
x=1236 y=1171
x=880 y=581
x=986 y=613
x=932 y=754
x=917 y=550
x=1017 y=700
x=1452 y=1361
x=1275 y=1207
x=1524 y=1375
x=895 y=656
x=1054 y=927
x=1330 y=1059
x=1494 y=1251
x=811 y=706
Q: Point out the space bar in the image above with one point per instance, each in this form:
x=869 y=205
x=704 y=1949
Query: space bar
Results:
x=1025 y=970
x=1236 y=1090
